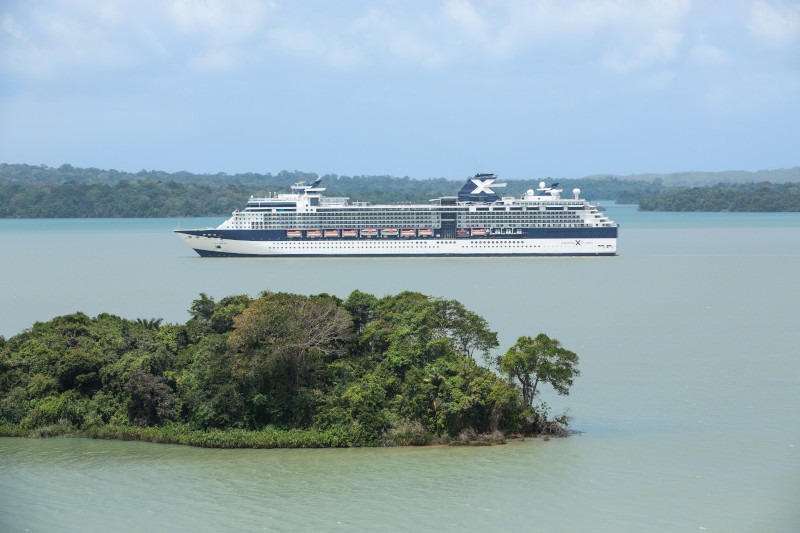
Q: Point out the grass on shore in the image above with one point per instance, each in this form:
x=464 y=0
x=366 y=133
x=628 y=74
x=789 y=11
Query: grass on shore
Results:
x=269 y=437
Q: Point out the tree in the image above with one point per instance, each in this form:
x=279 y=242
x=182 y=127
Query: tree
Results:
x=361 y=307
x=151 y=399
x=531 y=361
x=210 y=316
x=150 y=323
x=469 y=331
x=281 y=344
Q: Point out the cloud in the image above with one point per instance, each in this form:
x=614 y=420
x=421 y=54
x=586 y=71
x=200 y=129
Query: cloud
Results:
x=775 y=23
x=220 y=32
x=661 y=47
x=312 y=45
x=709 y=55
x=464 y=15
x=11 y=29
x=46 y=40
x=626 y=34
x=411 y=38
x=52 y=39
x=221 y=20
x=625 y=37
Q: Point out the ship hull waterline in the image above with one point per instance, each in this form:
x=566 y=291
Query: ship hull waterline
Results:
x=558 y=246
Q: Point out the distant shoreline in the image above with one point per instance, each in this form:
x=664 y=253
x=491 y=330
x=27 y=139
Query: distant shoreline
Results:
x=67 y=192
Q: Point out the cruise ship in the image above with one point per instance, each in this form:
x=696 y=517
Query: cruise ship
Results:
x=476 y=222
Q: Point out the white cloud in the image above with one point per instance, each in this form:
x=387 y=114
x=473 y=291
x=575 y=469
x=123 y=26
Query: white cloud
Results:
x=627 y=37
x=709 y=55
x=220 y=20
x=47 y=40
x=463 y=14
x=661 y=47
x=410 y=38
x=626 y=34
x=623 y=35
x=775 y=23
x=219 y=30
x=11 y=28
x=630 y=31
x=314 y=46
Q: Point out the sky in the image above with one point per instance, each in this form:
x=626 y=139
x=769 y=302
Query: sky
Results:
x=425 y=89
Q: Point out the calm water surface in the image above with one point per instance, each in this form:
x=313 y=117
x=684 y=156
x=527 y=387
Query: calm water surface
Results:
x=687 y=404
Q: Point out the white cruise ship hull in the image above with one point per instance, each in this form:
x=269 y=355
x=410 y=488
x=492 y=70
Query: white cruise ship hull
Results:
x=477 y=222
x=221 y=247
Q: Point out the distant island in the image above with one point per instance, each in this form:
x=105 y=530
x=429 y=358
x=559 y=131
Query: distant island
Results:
x=283 y=370
x=755 y=197
x=28 y=191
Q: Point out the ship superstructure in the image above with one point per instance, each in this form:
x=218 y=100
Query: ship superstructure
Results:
x=477 y=221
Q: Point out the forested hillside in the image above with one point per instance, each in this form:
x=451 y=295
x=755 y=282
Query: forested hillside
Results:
x=281 y=370
x=704 y=179
x=124 y=199
x=760 y=197
x=45 y=174
x=66 y=192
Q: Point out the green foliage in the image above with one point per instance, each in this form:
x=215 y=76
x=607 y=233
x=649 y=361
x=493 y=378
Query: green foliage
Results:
x=14 y=431
x=28 y=191
x=52 y=409
x=760 y=197
x=151 y=400
x=361 y=307
x=125 y=199
x=208 y=316
x=280 y=370
x=267 y=437
x=531 y=361
x=15 y=405
x=280 y=344
x=211 y=397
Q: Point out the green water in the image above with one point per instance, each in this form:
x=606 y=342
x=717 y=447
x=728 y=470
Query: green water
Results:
x=687 y=403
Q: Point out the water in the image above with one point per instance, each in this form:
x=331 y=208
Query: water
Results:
x=687 y=403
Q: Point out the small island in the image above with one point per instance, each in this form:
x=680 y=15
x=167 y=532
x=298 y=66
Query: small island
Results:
x=283 y=370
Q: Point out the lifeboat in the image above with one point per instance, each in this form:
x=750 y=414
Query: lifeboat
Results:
x=331 y=233
x=425 y=233
x=349 y=233
x=408 y=233
x=314 y=233
x=294 y=234
x=390 y=232
x=369 y=232
x=479 y=232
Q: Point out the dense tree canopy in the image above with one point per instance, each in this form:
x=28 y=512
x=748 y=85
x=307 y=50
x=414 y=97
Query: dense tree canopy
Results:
x=363 y=371
x=28 y=191
x=67 y=192
x=760 y=197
